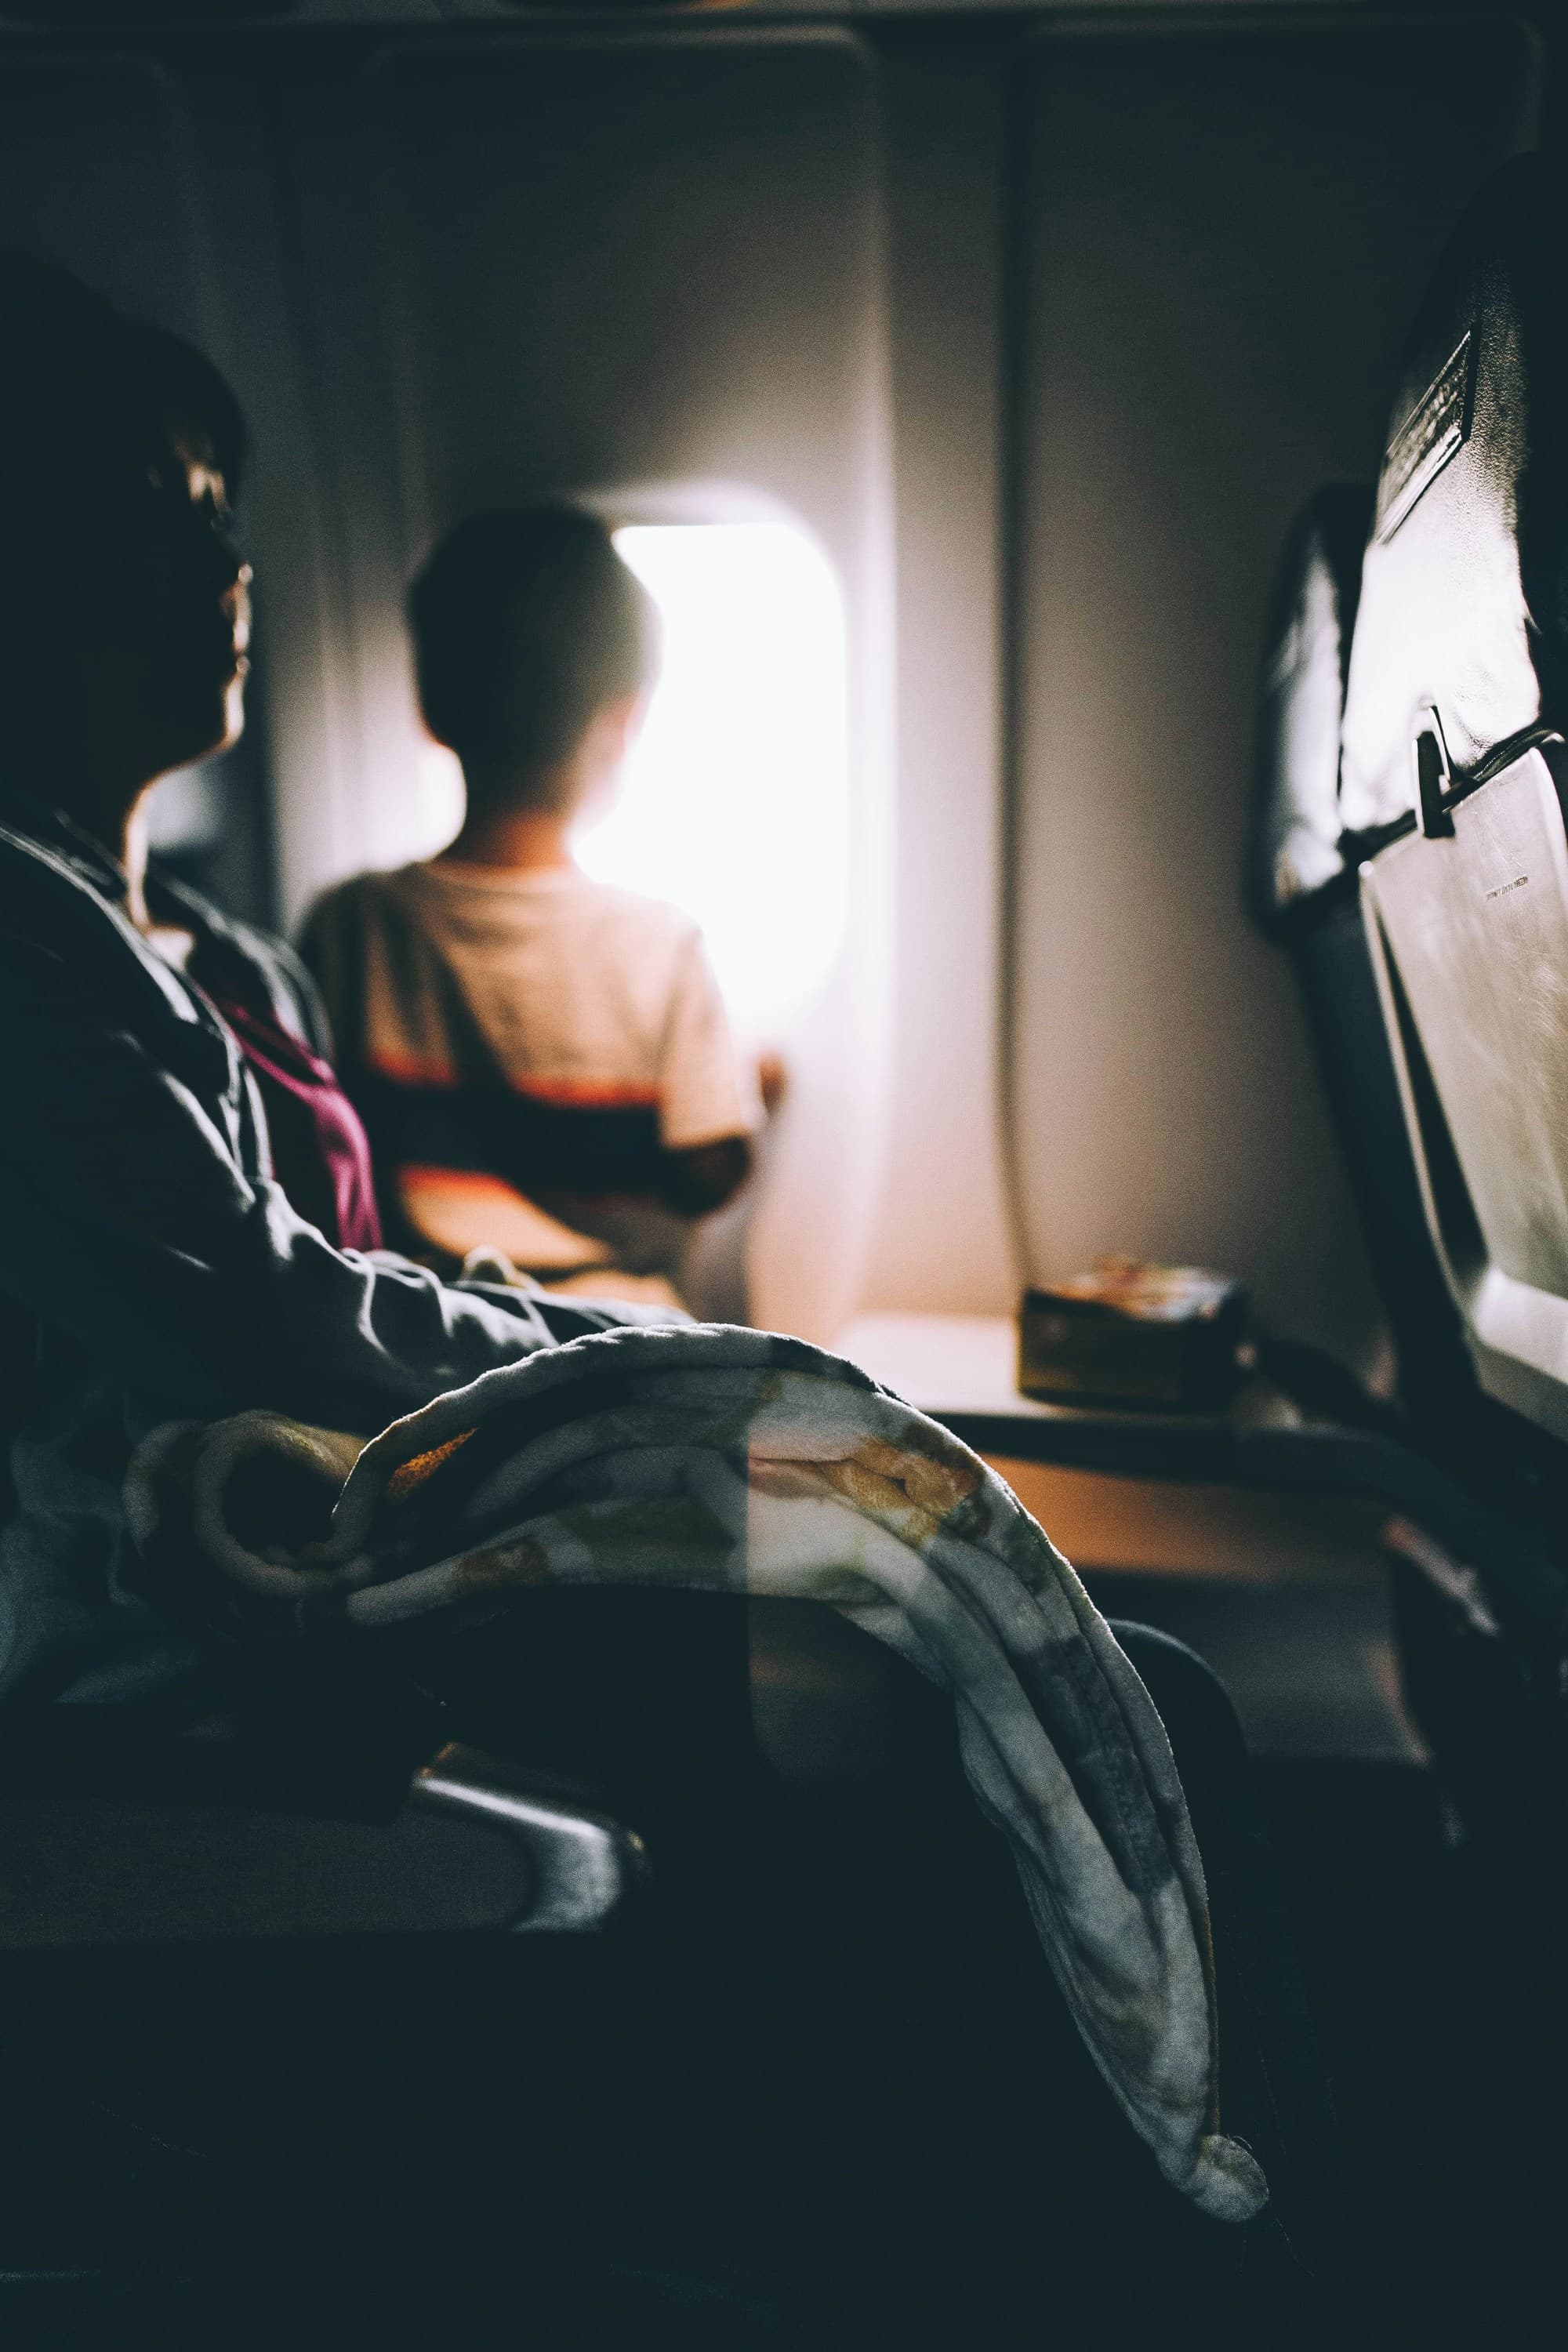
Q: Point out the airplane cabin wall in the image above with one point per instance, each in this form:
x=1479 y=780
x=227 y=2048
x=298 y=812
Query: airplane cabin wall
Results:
x=1223 y=239
x=648 y=272
x=1043 y=338
x=101 y=173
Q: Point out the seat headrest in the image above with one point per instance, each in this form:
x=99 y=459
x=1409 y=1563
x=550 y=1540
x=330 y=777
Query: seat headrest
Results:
x=1293 y=845
x=1464 y=601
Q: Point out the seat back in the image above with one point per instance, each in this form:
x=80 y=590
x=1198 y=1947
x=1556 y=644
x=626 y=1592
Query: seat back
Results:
x=1449 y=769
x=1303 y=888
x=1303 y=891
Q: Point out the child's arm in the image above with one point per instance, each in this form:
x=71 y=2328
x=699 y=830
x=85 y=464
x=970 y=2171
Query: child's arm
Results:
x=699 y=1181
x=710 y=1105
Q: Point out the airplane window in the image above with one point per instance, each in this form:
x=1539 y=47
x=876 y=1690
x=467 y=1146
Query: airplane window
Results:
x=209 y=825
x=735 y=801
x=184 y=813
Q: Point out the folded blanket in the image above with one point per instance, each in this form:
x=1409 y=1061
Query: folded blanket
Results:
x=731 y=1460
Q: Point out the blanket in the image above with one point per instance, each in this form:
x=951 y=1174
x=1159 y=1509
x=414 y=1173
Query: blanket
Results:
x=738 y=1461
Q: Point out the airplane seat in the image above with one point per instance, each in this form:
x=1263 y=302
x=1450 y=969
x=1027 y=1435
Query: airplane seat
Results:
x=1302 y=892
x=240 y=2172
x=1450 y=764
x=153 y=1860
x=1413 y=867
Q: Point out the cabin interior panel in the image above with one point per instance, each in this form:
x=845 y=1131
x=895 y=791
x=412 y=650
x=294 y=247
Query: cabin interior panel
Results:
x=1221 y=237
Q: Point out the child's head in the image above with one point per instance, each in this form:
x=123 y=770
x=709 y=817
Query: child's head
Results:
x=529 y=633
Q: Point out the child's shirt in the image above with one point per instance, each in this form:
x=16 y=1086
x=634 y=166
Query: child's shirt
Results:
x=512 y=1035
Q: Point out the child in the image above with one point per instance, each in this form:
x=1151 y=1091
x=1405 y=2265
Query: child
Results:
x=543 y=1061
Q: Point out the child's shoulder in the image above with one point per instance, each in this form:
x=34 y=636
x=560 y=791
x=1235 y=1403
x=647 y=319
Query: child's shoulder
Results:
x=356 y=892
x=613 y=900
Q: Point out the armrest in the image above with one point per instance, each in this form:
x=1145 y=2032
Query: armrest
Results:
x=582 y=1864
x=153 y=1847
x=1304 y=1427
x=1266 y=1442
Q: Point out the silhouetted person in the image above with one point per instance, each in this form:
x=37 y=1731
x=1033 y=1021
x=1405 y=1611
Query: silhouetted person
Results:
x=517 y=1035
x=185 y=1194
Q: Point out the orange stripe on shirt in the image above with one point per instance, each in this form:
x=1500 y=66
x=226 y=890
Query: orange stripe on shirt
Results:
x=573 y=1093
x=459 y=1183
x=408 y=1070
x=590 y=1094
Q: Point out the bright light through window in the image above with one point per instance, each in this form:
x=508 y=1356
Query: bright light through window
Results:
x=735 y=801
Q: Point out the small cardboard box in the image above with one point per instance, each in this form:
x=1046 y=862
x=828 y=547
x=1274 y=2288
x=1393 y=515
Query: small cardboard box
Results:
x=1130 y=1335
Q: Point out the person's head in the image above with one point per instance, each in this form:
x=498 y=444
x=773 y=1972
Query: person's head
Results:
x=123 y=613
x=534 y=647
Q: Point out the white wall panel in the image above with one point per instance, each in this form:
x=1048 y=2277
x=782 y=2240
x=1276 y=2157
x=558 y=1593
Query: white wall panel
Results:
x=1224 y=238
x=944 y=1236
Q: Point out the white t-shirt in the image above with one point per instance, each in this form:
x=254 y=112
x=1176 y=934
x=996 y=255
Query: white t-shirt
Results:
x=580 y=997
